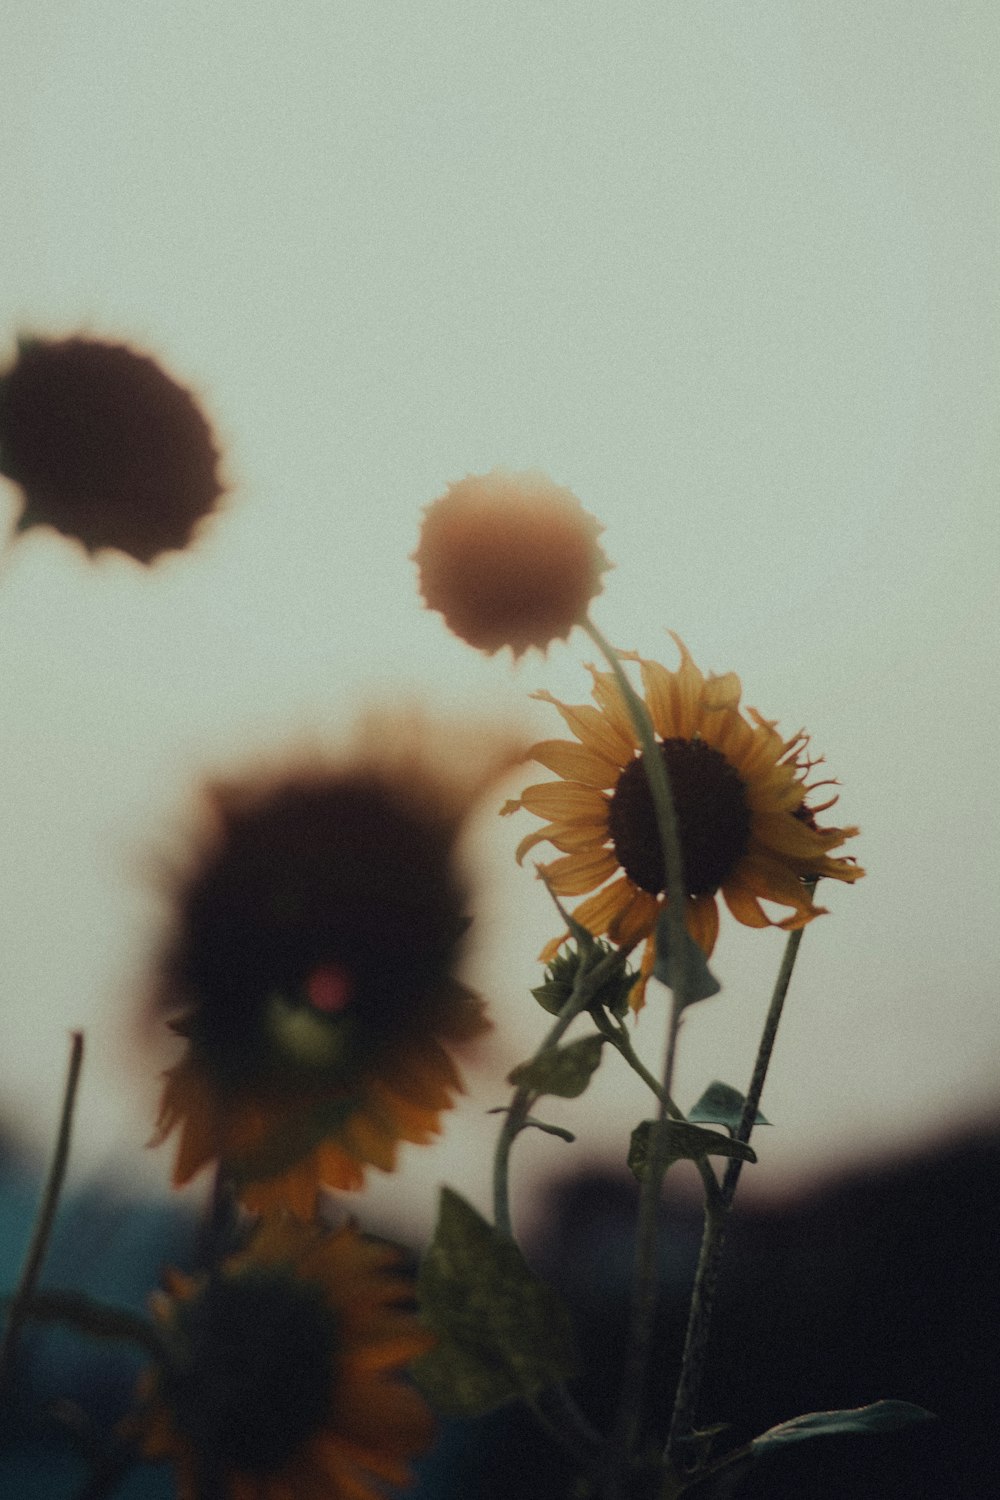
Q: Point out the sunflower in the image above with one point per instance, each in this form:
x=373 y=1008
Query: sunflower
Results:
x=740 y=792
x=509 y=560
x=106 y=447
x=311 y=971
x=279 y=1376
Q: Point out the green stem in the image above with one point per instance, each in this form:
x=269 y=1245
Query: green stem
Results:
x=644 y=1286
x=619 y=1039
x=46 y=1217
x=663 y=807
x=586 y=985
x=717 y=1219
x=566 y=1423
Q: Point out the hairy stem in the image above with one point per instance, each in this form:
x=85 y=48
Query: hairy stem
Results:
x=717 y=1219
x=586 y=986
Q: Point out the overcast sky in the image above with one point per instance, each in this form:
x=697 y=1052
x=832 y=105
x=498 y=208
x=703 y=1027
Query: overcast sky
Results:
x=727 y=270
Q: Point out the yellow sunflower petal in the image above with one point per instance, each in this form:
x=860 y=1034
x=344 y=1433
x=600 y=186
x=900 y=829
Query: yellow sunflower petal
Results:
x=564 y=799
x=702 y=918
x=636 y=920
x=582 y=834
x=722 y=692
x=600 y=910
x=637 y=995
x=575 y=763
x=782 y=834
x=575 y=874
x=745 y=907
x=657 y=686
x=609 y=699
x=768 y=878
x=687 y=688
x=551 y=948
x=592 y=729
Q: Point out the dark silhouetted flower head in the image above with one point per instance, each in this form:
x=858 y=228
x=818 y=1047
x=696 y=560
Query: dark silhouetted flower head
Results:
x=312 y=970
x=281 y=1373
x=106 y=447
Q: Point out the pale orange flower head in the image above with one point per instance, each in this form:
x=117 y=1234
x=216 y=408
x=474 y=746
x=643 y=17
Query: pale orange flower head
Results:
x=312 y=969
x=747 y=829
x=509 y=560
x=106 y=447
x=281 y=1376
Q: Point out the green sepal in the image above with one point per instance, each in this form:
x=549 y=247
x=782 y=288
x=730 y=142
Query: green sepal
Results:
x=502 y=1333
x=562 y=1071
x=721 y=1104
x=702 y=982
x=881 y=1416
x=683 y=1141
x=564 y=1135
x=561 y=973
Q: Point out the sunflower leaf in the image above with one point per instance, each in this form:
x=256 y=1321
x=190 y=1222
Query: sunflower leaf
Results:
x=721 y=1104
x=563 y=1071
x=502 y=1333
x=683 y=1140
x=701 y=982
x=881 y=1416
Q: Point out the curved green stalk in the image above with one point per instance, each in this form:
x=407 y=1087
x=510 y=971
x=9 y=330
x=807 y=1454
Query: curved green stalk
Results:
x=46 y=1217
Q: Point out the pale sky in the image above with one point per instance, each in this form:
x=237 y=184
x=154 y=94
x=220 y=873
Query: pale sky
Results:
x=727 y=270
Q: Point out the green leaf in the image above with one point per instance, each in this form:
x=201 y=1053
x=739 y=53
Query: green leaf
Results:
x=502 y=1333
x=683 y=1140
x=702 y=984
x=721 y=1104
x=563 y=1071
x=882 y=1416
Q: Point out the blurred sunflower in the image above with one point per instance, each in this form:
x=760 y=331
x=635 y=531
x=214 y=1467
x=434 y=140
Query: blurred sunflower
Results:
x=106 y=447
x=509 y=559
x=739 y=791
x=279 y=1377
x=312 y=966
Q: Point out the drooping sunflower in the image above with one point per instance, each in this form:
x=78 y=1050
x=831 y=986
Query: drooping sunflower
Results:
x=106 y=447
x=740 y=790
x=509 y=559
x=280 y=1377
x=312 y=970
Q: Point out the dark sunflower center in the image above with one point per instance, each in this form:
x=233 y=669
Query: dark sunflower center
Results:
x=255 y=1370
x=713 y=818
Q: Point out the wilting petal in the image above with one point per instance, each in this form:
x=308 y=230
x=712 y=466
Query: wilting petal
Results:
x=745 y=907
x=702 y=918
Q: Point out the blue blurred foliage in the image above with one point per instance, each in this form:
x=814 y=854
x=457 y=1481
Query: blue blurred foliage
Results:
x=113 y=1248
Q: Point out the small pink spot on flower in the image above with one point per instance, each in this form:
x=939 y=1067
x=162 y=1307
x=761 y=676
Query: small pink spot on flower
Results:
x=329 y=989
